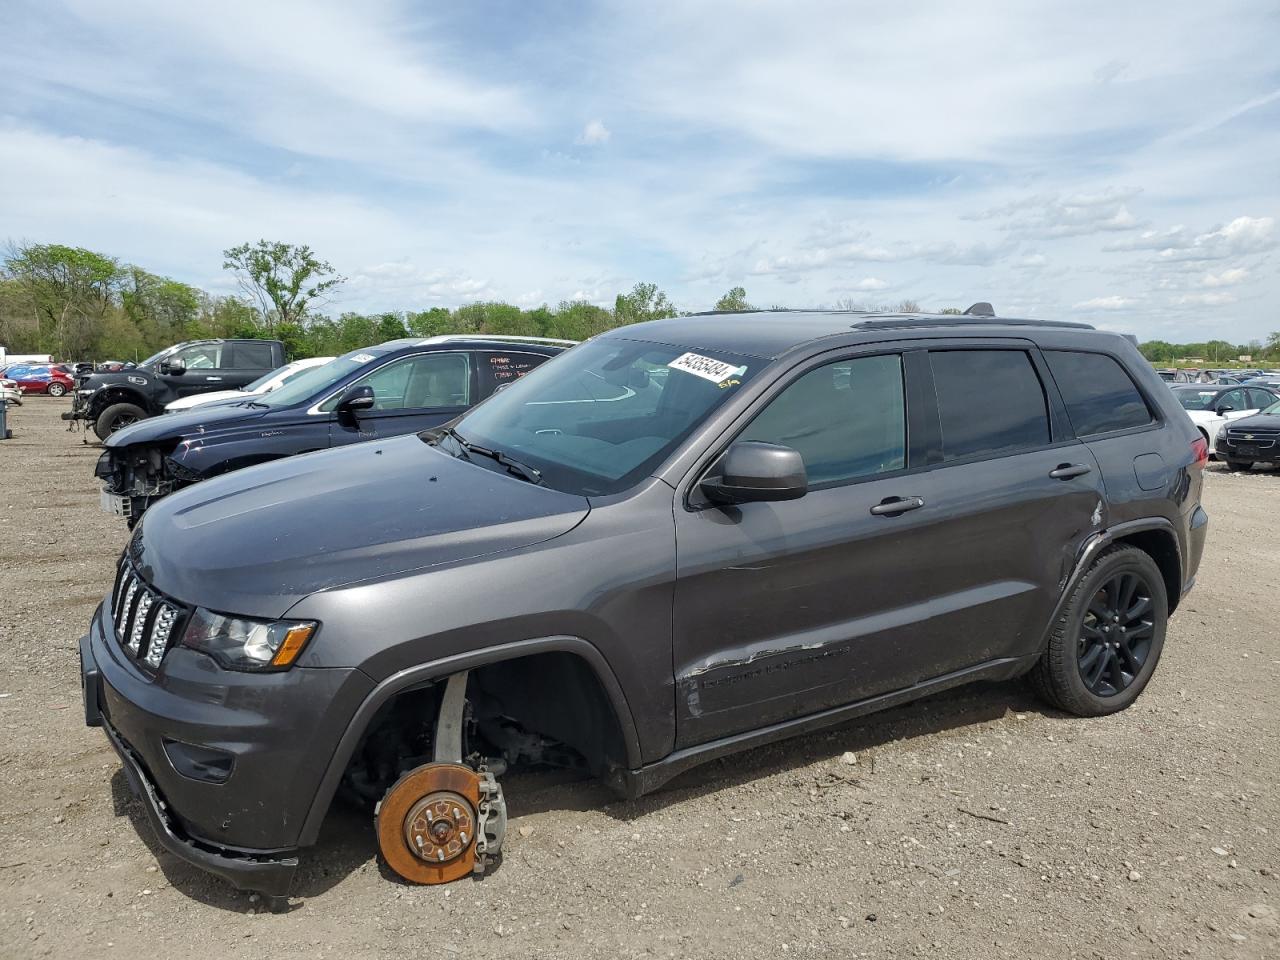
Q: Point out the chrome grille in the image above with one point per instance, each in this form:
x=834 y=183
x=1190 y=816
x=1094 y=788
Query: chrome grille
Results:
x=146 y=622
x=1262 y=437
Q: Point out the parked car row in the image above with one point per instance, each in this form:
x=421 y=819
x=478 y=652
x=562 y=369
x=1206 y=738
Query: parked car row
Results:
x=54 y=379
x=669 y=543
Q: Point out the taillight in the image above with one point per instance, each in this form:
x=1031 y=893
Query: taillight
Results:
x=1200 y=447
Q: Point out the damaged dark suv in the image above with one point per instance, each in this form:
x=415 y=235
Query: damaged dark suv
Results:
x=675 y=541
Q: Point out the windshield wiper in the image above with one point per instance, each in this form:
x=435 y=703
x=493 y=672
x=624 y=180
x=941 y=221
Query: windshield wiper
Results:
x=522 y=470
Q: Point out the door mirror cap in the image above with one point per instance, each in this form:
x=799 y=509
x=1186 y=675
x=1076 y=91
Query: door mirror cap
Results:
x=174 y=367
x=357 y=398
x=753 y=472
x=1225 y=408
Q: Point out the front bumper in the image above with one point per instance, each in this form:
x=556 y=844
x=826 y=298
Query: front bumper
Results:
x=1265 y=450
x=239 y=815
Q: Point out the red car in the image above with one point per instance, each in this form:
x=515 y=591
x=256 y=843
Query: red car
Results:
x=54 y=379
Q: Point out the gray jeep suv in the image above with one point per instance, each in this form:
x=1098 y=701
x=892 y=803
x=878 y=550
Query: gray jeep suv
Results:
x=672 y=542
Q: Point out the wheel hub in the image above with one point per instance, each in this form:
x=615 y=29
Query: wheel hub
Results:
x=440 y=822
x=439 y=827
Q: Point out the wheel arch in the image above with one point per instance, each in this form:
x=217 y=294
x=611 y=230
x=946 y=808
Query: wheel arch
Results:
x=109 y=396
x=424 y=674
x=1155 y=536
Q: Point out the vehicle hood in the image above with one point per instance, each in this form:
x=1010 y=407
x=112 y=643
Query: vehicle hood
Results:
x=258 y=540
x=1203 y=416
x=200 y=399
x=183 y=424
x=1268 y=421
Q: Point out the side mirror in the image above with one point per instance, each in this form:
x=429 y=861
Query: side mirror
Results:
x=753 y=472
x=1225 y=408
x=355 y=399
x=175 y=367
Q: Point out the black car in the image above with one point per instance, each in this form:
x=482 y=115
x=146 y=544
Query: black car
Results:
x=397 y=387
x=1249 y=440
x=110 y=401
x=673 y=542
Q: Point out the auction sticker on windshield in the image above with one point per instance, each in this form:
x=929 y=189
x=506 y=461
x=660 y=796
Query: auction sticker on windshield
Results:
x=716 y=371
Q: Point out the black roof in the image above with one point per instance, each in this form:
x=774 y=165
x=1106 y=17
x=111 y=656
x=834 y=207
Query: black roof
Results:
x=771 y=333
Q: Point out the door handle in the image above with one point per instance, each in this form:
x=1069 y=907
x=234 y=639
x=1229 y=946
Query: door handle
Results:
x=214 y=379
x=892 y=506
x=1065 y=471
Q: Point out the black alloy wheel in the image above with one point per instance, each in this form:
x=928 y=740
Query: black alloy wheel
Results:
x=1116 y=634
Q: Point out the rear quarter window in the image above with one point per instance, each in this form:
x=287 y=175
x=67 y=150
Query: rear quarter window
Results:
x=1100 y=395
x=497 y=369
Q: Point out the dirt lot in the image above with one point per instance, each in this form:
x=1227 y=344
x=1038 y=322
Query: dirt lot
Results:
x=972 y=825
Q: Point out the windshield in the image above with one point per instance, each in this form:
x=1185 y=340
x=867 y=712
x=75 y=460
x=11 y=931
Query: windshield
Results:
x=260 y=385
x=600 y=416
x=1197 y=399
x=307 y=383
x=156 y=356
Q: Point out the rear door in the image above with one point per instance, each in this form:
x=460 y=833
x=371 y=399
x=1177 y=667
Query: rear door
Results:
x=411 y=393
x=495 y=369
x=1011 y=496
x=245 y=361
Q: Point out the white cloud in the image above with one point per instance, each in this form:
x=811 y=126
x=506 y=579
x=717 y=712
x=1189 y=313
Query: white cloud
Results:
x=594 y=134
x=1105 y=303
x=1216 y=299
x=1227 y=278
x=868 y=284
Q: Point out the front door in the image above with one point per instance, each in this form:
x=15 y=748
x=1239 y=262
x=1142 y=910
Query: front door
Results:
x=201 y=373
x=410 y=393
x=784 y=609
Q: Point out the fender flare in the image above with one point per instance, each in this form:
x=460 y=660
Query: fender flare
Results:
x=1098 y=542
x=108 y=396
x=437 y=669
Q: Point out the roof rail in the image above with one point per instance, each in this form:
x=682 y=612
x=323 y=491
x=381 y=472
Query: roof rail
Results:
x=952 y=319
x=512 y=338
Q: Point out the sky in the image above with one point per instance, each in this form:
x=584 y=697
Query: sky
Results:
x=1117 y=163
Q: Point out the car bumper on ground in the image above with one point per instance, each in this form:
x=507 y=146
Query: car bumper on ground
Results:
x=225 y=788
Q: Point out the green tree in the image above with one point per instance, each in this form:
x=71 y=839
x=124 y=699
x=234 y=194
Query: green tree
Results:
x=644 y=302
x=285 y=280
x=161 y=309
x=578 y=320
x=70 y=289
x=430 y=323
x=735 y=301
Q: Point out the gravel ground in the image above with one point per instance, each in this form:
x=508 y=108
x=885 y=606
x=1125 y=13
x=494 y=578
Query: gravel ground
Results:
x=973 y=825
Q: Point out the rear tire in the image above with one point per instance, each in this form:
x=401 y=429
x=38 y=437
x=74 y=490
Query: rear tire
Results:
x=1095 y=663
x=57 y=390
x=117 y=416
x=1238 y=466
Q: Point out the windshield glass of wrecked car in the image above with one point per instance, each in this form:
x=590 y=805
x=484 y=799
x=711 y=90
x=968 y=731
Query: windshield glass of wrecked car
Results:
x=597 y=418
x=312 y=381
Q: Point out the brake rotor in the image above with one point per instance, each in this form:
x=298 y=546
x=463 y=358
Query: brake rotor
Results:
x=427 y=823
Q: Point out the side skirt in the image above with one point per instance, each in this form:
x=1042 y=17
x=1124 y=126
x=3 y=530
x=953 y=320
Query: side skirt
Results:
x=636 y=783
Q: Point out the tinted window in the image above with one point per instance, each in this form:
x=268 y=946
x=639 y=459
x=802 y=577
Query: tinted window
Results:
x=497 y=369
x=1260 y=399
x=1099 y=394
x=426 y=381
x=1233 y=398
x=989 y=402
x=847 y=419
x=248 y=356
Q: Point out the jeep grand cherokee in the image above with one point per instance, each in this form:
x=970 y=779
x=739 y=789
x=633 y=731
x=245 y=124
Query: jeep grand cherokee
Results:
x=675 y=541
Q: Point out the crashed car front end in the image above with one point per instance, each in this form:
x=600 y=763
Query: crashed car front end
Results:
x=135 y=476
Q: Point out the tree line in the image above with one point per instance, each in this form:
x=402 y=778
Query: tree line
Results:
x=79 y=304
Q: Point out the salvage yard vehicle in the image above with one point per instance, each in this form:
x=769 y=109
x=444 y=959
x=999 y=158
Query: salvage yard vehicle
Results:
x=1211 y=407
x=51 y=379
x=110 y=401
x=675 y=541
x=264 y=384
x=9 y=391
x=397 y=387
x=1256 y=439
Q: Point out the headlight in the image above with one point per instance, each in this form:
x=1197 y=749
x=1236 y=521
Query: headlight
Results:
x=241 y=644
